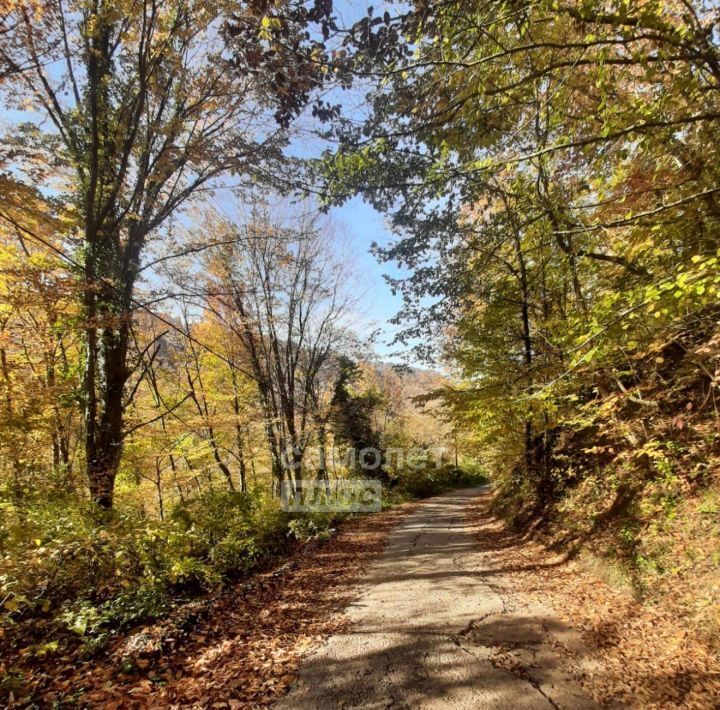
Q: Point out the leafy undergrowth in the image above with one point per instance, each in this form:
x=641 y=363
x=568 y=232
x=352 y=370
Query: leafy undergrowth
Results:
x=69 y=567
x=72 y=577
x=236 y=649
x=638 y=655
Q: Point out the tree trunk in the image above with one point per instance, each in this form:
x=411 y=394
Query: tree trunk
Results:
x=241 y=458
x=526 y=339
x=322 y=453
x=104 y=437
x=322 y=474
x=238 y=432
x=218 y=460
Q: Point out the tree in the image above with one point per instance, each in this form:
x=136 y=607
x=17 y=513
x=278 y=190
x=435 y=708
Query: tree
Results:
x=353 y=413
x=280 y=290
x=39 y=349
x=148 y=107
x=544 y=168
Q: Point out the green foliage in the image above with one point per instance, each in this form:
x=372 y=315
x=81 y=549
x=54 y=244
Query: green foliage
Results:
x=352 y=412
x=313 y=526
x=429 y=480
x=92 y=572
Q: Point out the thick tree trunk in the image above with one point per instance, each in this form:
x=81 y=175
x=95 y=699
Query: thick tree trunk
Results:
x=104 y=435
x=296 y=475
x=110 y=268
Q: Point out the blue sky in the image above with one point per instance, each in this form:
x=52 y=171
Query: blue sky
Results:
x=363 y=225
x=360 y=224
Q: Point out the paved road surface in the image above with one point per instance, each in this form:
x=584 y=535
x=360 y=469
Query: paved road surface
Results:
x=429 y=631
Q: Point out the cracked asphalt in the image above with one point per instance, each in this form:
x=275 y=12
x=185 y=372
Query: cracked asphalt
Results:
x=431 y=628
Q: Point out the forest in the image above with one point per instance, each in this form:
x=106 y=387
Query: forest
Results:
x=184 y=328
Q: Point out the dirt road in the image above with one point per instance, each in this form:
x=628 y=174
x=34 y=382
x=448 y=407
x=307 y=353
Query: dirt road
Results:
x=428 y=630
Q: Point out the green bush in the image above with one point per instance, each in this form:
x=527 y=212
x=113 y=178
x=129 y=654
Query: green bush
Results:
x=426 y=481
x=51 y=550
x=313 y=526
x=90 y=571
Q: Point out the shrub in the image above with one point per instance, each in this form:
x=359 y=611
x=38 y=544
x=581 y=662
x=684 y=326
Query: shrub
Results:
x=430 y=480
x=91 y=571
x=314 y=526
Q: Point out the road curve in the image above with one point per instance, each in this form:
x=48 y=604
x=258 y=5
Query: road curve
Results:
x=428 y=630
